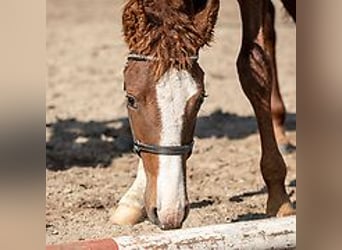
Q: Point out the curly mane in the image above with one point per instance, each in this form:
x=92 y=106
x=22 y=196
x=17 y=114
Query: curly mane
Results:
x=167 y=30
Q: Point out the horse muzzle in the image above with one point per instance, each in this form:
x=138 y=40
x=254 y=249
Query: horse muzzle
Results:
x=169 y=218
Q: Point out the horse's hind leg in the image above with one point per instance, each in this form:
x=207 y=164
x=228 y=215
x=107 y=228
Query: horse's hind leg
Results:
x=255 y=73
x=131 y=208
x=277 y=103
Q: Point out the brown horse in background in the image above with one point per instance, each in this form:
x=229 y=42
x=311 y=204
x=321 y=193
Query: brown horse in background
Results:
x=165 y=89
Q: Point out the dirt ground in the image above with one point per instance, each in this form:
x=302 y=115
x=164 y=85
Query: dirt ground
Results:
x=88 y=144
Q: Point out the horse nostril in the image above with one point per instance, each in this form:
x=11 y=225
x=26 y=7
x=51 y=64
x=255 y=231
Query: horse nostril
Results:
x=154 y=211
x=186 y=211
x=154 y=216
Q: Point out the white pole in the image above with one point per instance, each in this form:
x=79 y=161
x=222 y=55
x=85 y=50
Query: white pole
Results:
x=274 y=233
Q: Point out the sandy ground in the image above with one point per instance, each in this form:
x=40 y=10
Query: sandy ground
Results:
x=89 y=161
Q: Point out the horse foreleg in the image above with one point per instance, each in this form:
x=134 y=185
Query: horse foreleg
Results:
x=255 y=73
x=131 y=208
x=277 y=103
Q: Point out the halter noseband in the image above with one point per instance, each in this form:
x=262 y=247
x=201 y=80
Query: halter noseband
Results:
x=138 y=146
x=162 y=150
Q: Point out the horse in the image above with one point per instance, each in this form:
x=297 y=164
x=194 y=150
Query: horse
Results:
x=165 y=89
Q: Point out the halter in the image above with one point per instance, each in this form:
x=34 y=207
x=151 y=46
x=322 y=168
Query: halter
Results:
x=162 y=150
x=138 y=146
x=140 y=57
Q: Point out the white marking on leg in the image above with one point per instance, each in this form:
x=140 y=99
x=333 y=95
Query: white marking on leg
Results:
x=174 y=90
x=134 y=197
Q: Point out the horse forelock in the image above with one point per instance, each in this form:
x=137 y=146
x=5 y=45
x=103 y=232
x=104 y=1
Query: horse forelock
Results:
x=163 y=29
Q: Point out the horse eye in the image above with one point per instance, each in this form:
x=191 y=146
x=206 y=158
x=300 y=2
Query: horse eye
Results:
x=202 y=98
x=131 y=102
x=204 y=95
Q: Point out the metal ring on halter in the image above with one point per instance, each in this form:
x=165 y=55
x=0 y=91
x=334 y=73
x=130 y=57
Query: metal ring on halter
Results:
x=162 y=150
x=140 y=57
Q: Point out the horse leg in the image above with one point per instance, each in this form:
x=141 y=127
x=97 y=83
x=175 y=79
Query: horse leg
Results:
x=131 y=207
x=277 y=103
x=255 y=73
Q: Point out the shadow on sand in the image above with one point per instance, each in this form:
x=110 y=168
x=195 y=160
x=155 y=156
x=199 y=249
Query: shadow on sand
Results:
x=90 y=144
x=258 y=216
x=86 y=144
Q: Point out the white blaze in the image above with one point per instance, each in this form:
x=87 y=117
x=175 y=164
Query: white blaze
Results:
x=174 y=89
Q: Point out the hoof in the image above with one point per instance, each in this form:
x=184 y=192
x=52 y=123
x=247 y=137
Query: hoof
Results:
x=126 y=215
x=286 y=210
x=287 y=148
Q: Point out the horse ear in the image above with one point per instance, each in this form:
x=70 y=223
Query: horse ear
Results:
x=134 y=21
x=205 y=17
